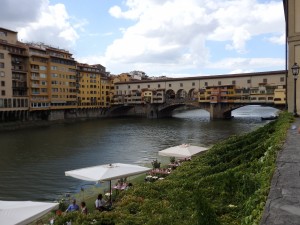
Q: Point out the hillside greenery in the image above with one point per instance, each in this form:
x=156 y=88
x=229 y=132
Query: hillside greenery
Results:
x=226 y=185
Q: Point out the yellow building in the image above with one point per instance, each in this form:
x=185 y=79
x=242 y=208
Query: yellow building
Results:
x=39 y=78
x=292 y=18
x=52 y=78
x=107 y=90
x=90 y=88
x=13 y=77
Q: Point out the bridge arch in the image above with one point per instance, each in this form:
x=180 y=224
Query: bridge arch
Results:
x=181 y=94
x=193 y=94
x=170 y=94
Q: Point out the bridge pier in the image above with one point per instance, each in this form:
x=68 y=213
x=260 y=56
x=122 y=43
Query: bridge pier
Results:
x=152 y=111
x=219 y=111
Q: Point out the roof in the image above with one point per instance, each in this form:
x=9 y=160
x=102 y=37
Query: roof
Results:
x=266 y=73
x=1 y=28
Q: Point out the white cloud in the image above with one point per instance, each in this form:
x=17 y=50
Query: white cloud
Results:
x=278 y=39
x=173 y=33
x=42 y=22
x=247 y=64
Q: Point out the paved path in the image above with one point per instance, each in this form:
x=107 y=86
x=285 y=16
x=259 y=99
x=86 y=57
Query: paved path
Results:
x=283 y=204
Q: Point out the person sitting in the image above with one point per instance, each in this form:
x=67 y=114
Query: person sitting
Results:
x=73 y=207
x=130 y=185
x=84 y=208
x=100 y=203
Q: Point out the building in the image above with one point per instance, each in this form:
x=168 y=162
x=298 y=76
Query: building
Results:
x=217 y=88
x=292 y=18
x=52 y=81
x=14 y=101
x=90 y=85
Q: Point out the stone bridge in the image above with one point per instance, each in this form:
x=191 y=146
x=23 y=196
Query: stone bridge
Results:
x=161 y=110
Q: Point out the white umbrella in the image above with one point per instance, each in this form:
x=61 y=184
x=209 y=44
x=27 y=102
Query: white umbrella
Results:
x=23 y=212
x=182 y=151
x=107 y=172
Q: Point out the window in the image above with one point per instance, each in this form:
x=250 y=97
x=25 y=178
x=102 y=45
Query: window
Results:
x=128 y=86
x=148 y=85
x=181 y=84
x=1 y=65
x=3 y=33
x=1 y=55
x=193 y=84
x=2 y=83
x=248 y=81
x=42 y=75
x=3 y=93
x=170 y=85
x=233 y=82
x=281 y=79
x=205 y=84
x=219 y=83
x=2 y=74
x=265 y=80
x=43 y=68
x=138 y=86
x=158 y=85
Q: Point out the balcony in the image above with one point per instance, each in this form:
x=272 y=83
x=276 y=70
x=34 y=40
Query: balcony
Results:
x=35 y=85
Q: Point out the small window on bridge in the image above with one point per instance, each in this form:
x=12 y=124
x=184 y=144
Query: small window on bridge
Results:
x=233 y=82
x=205 y=84
x=158 y=85
x=193 y=84
x=281 y=79
x=219 y=83
x=170 y=85
x=181 y=84
x=249 y=81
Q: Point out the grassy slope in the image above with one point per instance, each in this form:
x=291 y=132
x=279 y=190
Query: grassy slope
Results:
x=227 y=185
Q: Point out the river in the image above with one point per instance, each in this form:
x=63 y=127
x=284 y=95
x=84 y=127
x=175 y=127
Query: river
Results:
x=33 y=161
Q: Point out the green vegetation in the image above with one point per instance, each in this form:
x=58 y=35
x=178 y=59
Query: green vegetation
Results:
x=228 y=184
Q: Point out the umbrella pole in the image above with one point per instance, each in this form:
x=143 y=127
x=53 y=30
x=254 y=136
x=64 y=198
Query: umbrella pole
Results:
x=110 y=194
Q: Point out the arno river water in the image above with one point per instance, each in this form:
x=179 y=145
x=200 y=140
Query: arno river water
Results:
x=33 y=161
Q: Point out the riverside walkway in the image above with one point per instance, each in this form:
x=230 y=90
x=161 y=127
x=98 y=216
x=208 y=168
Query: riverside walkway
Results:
x=283 y=203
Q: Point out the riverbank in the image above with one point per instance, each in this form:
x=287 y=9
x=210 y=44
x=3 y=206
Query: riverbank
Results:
x=227 y=185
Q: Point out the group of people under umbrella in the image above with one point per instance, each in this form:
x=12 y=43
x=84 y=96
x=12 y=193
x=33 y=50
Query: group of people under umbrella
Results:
x=24 y=212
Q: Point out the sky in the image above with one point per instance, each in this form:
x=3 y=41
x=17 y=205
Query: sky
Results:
x=174 y=38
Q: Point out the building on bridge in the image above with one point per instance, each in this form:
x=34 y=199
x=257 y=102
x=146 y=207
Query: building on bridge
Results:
x=264 y=87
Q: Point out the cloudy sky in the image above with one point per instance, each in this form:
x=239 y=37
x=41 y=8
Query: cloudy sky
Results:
x=160 y=37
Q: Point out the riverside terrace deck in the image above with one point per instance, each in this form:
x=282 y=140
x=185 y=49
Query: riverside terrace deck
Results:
x=283 y=203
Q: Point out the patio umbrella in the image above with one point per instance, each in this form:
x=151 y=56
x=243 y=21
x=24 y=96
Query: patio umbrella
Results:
x=23 y=212
x=182 y=151
x=107 y=172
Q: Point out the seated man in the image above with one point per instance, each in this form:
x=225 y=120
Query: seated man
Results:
x=73 y=207
x=100 y=203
